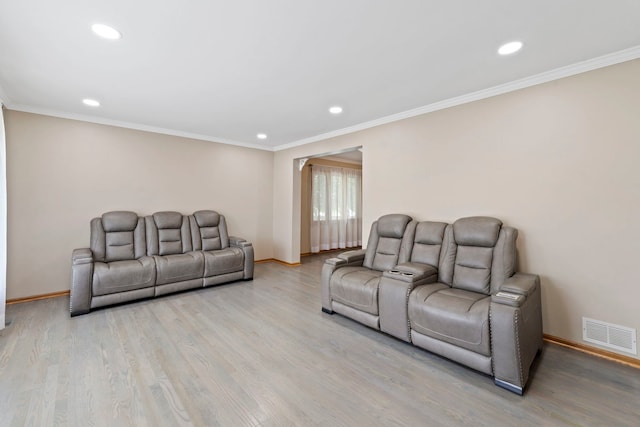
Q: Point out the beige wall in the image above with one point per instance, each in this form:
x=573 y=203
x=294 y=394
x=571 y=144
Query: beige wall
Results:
x=305 y=198
x=61 y=173
x=559 y=161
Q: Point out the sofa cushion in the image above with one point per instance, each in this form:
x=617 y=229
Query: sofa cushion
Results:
x=392 y=225
x=472 y=269
x=168 y=233
x=167 y=219
x=208 y=231
x=121 y=276
x=390 y=242
x=119 y=245
x=169 y=241
x=356 y=287
x=179 y=267
x=451 y=315
x=476 y=239
x=477 y=231
x=207 y=218
x=223 y=261
x=118 y=236
x=427 y=242
x=119 y=221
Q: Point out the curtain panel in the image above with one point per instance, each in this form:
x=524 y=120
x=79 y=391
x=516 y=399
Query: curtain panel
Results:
x=336 y=208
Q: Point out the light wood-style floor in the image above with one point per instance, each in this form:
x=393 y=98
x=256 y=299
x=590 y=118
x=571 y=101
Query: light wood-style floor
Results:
x=261 y=353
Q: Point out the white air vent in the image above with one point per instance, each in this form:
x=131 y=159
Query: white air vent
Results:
x=616 y=337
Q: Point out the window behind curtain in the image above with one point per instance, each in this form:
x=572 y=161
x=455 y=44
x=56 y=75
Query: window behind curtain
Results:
x=336 y=203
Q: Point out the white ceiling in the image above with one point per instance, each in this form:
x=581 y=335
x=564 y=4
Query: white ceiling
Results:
x=227 y=70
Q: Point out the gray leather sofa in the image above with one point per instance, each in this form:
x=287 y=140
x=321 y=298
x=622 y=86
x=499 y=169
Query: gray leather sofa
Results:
x=131 y=257
x=454 y=292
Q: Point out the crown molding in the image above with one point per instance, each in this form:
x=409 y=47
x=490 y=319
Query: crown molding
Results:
x=547 y=76
x=558 y=73
x=134 y=126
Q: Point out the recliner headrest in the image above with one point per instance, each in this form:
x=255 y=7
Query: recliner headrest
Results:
x=168 y=219
x=207 y=218
x=477 y=231
x=430 y=232
x=393 y=225
x=119 y=221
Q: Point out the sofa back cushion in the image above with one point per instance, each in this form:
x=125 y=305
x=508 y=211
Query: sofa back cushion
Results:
x=479 y=254
x=168 y=233
x=475 y=238
x=427 y=242
x=390 y=242
x=208 y=231
x=118 y=236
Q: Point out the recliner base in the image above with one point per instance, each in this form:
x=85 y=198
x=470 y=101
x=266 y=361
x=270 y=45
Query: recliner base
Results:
x=326 y=310
x=508 y=386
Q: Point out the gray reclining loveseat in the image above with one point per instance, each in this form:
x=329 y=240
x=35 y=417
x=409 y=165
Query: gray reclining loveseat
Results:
x=453 y=291
x=131 y=257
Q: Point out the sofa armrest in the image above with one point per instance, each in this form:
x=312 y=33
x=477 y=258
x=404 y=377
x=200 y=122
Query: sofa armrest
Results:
x=413 y=272
x=335 y=261
x=345 y=259
x=81 y=256
x=238 y=242
x=81 y=278
x=353 y=257
x=247 y=248
x=516 y=330
x=516 y=289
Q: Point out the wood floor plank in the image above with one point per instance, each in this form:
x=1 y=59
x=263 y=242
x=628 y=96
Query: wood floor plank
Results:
x=261 y=353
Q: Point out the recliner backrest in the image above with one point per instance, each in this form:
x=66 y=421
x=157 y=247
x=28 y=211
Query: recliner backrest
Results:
x=427 y=242
x=480 y=254
x=390 y=242
x=168 y=233
x=208 y=231
x=118 y=236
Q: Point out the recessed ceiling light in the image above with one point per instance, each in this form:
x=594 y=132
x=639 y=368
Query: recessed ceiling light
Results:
x=90 y=102
x=336 y=109
x=106 y=31
x=262 y=136
x=509 y=48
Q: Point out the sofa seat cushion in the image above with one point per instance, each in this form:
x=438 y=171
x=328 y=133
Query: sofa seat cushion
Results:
x=179 y=267
x=451 y=315
x=223 y=261
x=122 y=276
x=356 y=287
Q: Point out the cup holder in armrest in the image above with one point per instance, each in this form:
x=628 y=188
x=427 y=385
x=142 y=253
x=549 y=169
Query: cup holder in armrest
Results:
x=394 y=271
x=407 y=274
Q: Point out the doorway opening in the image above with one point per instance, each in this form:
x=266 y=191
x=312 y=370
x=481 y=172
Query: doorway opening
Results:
x=331 y=201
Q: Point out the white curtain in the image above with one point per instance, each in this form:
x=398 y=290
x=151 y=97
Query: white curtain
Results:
x=336 y=208
x=3 y=221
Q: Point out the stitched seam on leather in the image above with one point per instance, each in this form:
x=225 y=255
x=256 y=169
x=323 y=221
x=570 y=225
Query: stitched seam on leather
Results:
x=493 y=345
x=473 y=267
x=409 y=289
x=453 y=338
x=518 y=352
x=385 y=253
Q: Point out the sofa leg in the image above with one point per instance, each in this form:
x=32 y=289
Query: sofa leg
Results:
x=79 y=313
x=326 y=310
x=508 y=386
